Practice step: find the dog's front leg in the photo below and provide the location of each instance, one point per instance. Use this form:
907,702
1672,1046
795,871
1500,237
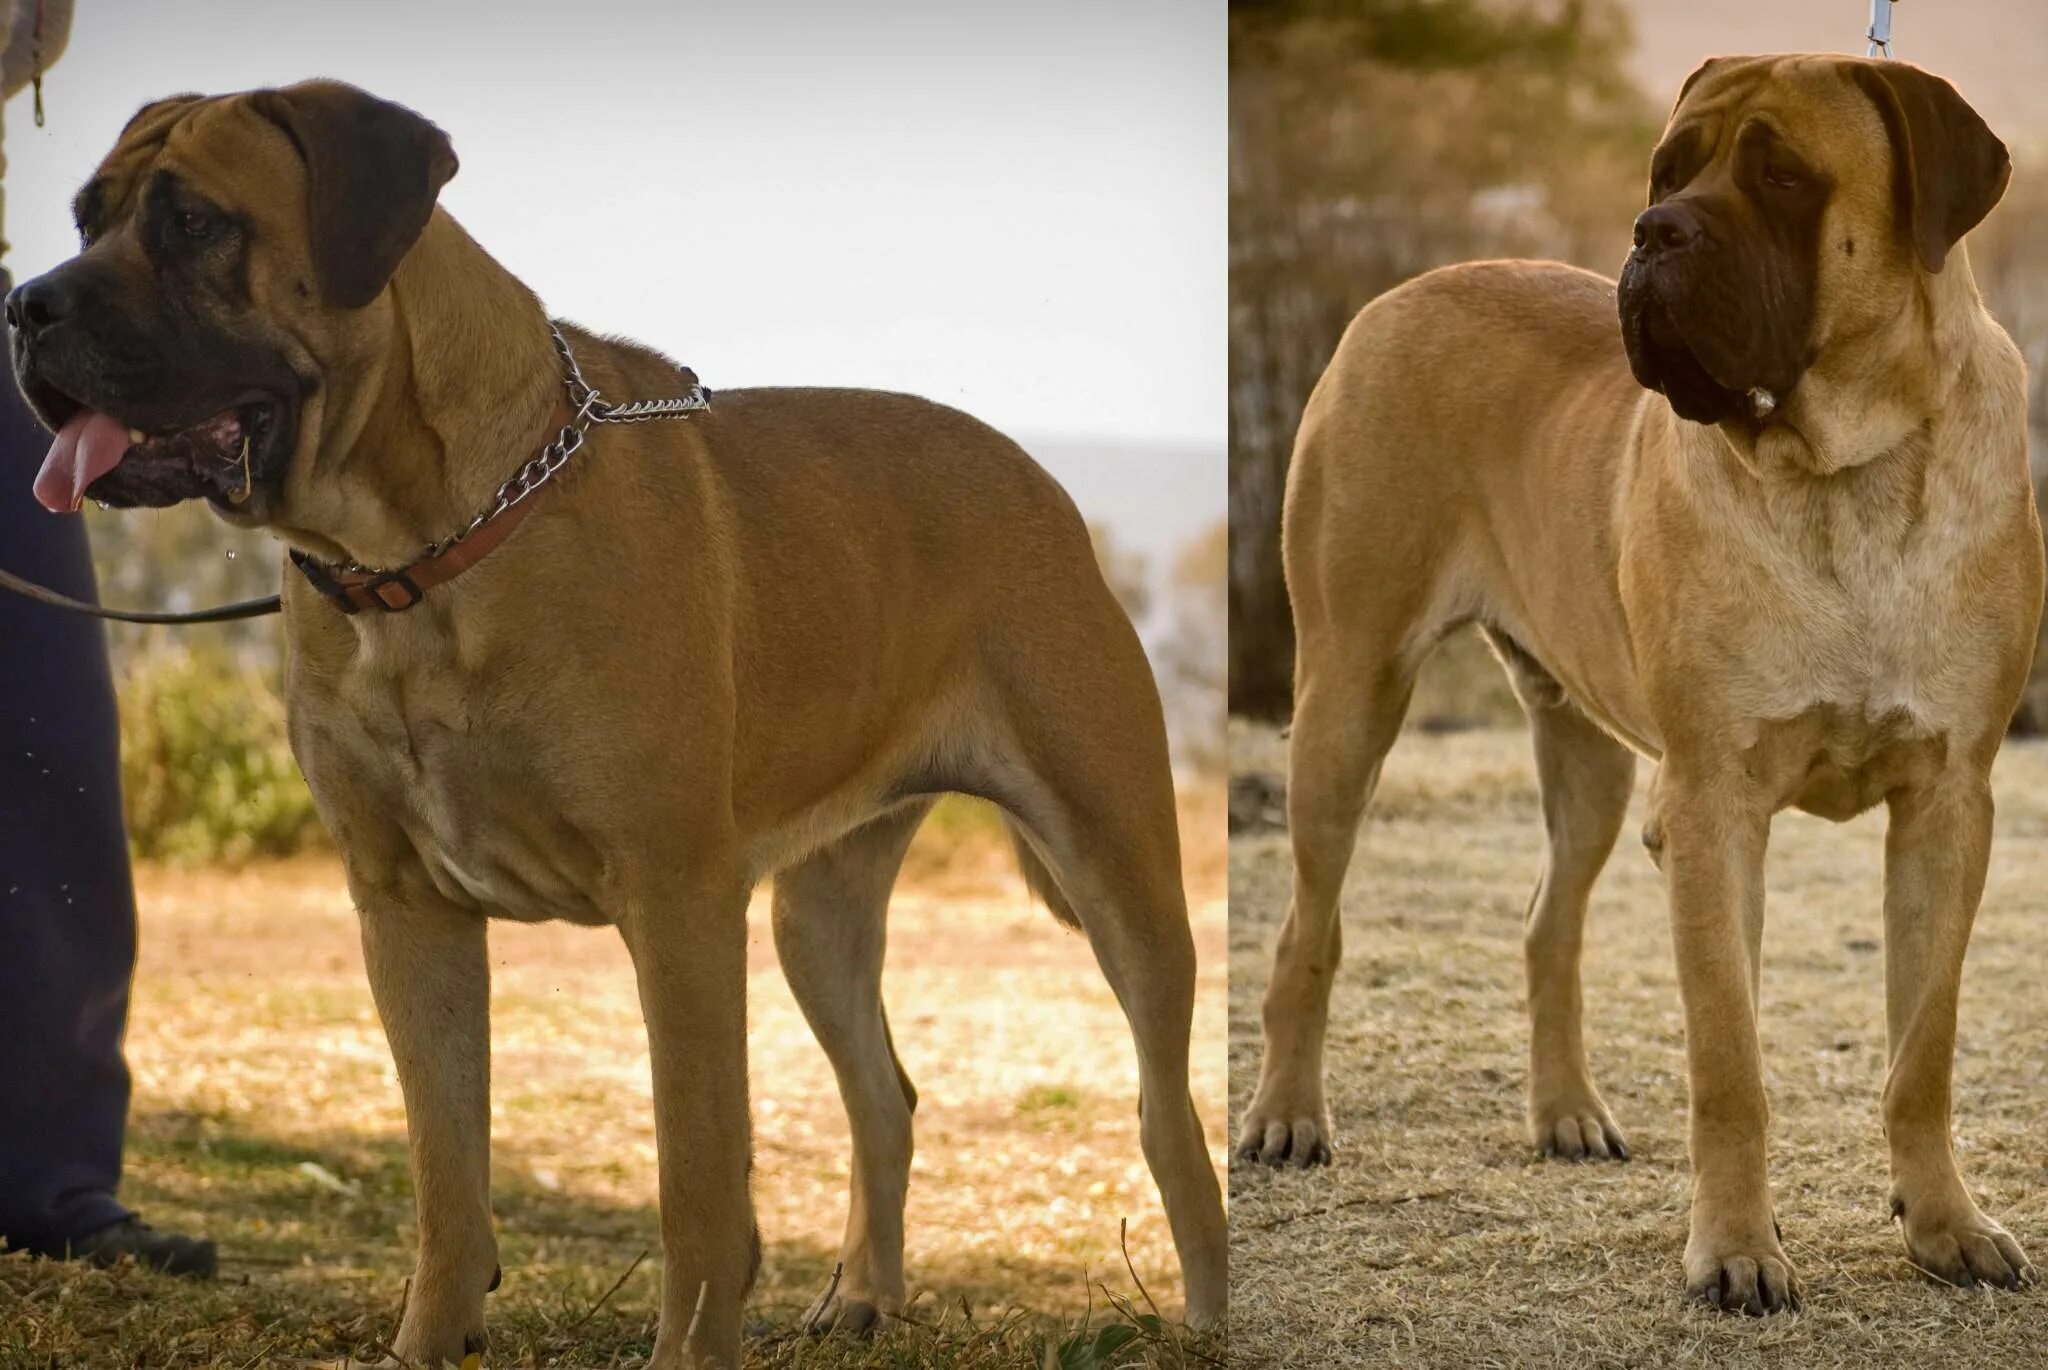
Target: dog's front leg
689,951
430,974
1715,830
1936,851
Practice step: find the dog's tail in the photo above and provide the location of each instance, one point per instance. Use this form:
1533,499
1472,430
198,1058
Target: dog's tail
1039,876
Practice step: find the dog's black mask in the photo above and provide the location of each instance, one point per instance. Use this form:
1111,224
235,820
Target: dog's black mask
1717,295
161,374
105,352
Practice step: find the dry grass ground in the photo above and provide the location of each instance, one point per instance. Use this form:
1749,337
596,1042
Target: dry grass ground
1439,1239
267,1114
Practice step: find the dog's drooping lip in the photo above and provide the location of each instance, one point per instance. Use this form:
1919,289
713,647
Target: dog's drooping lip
215,456
1663,358
1663,361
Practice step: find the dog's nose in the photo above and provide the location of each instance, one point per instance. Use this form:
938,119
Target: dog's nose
35,305
1665,228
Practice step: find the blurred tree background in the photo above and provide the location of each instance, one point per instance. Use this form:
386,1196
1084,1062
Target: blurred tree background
1371,140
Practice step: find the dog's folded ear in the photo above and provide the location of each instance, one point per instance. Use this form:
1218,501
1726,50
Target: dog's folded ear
1948,167
373,169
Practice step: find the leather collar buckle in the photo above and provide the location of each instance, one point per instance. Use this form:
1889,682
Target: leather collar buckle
409,591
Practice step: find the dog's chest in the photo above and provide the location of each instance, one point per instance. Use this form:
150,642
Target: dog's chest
1861,649
456,769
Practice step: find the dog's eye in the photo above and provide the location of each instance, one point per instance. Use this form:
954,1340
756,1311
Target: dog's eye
194,223
1784,178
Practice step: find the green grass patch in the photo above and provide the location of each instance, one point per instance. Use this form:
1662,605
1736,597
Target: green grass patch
1049,1099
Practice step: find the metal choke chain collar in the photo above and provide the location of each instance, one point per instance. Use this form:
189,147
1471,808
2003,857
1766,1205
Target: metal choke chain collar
588,406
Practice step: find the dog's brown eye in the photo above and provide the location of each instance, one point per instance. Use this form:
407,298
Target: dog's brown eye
194,224
1781,177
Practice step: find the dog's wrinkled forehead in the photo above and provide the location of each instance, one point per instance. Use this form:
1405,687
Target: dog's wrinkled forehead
215,146
1805,104
1887,125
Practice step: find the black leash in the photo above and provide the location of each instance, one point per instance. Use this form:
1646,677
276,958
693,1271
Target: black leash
226,613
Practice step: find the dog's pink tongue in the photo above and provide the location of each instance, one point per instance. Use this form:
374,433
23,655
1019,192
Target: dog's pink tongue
87,447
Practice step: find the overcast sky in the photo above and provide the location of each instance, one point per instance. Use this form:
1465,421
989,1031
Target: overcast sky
1016,209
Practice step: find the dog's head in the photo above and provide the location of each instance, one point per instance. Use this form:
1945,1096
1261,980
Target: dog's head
235,254
1791,200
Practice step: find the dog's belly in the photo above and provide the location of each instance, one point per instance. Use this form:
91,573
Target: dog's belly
492,829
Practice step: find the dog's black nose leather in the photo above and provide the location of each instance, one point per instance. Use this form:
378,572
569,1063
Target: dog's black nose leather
1665,228
35,305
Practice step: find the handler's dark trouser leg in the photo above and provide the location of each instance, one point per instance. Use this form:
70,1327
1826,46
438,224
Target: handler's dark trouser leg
67,911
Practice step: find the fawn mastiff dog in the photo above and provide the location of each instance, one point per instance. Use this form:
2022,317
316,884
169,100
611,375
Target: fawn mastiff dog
1761,513
753,642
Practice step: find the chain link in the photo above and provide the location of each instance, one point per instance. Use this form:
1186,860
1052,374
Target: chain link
589,406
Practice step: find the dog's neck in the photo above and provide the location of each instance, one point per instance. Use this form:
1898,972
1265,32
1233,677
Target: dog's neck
1869,394
460,398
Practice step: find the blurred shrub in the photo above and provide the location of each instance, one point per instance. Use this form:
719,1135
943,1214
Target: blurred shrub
1193,657
205,766
962,821
182,558
1461,686
1127,571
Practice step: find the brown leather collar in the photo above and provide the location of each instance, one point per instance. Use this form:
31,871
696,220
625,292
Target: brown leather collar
394,591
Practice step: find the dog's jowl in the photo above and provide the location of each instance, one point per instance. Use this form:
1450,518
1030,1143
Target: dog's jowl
620,685
1759,512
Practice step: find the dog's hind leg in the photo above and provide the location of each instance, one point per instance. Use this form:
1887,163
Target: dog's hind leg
1099,816
1351,693
830,916
1377,572
1586,778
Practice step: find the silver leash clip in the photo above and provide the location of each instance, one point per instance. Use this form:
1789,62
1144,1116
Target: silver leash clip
1880,32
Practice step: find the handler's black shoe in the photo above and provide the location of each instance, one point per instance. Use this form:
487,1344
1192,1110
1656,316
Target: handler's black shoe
135,1239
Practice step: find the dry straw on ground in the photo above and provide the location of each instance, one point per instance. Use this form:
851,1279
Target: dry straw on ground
1440,1240
267,1115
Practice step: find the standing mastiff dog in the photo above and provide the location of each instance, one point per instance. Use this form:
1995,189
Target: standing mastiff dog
1760,514
757,641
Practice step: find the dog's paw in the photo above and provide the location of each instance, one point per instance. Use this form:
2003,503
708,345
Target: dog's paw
1285,1128
845,1312
1751,1276
1954,1242
419,1345
1576,1127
